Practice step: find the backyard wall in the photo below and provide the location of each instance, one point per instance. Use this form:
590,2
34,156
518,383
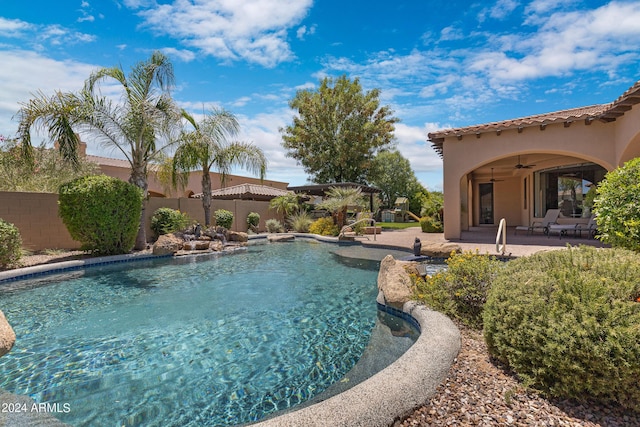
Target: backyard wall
36,216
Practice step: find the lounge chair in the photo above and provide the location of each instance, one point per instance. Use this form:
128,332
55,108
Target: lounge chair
590,227
562,229
551,217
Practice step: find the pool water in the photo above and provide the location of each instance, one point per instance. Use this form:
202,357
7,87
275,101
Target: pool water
202,341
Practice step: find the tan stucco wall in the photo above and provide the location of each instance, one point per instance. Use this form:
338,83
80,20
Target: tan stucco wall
606,144
194,185
36,216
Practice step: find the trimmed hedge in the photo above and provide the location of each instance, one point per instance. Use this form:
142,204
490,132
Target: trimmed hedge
11,247
568,323
224,218
167,220
102,213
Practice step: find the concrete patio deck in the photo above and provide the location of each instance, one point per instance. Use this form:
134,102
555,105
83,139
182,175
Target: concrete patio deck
482,239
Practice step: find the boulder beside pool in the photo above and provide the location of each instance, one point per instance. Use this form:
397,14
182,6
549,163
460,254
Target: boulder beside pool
7,336
394,283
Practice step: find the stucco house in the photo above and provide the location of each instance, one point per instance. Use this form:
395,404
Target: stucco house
518,169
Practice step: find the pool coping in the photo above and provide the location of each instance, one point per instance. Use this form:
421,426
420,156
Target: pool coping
387,396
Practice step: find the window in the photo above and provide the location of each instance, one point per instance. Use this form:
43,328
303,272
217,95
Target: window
568,188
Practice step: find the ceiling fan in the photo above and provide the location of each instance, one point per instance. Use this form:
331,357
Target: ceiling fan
493,179
522,166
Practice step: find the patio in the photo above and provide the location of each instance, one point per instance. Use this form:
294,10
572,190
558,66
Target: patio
482,239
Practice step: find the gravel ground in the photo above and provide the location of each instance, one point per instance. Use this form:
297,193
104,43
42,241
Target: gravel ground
478,392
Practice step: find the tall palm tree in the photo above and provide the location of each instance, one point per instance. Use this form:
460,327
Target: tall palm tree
207,146
139,126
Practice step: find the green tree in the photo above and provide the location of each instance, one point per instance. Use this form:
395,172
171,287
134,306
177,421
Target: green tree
43,173
140,126
286,204
392,173
207,146
339,199
338,130
617,206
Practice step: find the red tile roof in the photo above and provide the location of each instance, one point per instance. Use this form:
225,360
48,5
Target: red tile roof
246,191
603,112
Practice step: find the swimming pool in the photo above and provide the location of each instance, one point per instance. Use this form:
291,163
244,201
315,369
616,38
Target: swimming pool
192,341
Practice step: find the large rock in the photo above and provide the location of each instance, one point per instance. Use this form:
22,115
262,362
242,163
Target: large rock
167,244
237,236
394,282
439,249
7,336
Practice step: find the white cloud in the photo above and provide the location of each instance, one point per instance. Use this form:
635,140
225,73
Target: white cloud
29,73
567,42
303,31
13,27
253,30
500,10
413,145
182,54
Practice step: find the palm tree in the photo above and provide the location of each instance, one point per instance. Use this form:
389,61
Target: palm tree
139,126
207,146
286,204
339,199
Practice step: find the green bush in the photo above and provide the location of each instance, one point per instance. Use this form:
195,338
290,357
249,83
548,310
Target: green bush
253,220
11,247
101,212
274,226
430,225
167,220
567,322
324,227
300,222
224,218
617,206
460,291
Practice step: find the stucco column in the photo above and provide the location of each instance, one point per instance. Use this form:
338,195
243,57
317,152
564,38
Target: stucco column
452,203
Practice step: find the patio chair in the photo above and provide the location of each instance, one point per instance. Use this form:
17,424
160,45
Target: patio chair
590,227
562,229
551,217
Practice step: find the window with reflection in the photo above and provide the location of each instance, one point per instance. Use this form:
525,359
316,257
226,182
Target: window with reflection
568,188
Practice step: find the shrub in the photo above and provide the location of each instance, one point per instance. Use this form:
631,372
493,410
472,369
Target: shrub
274,226
101,212
253,220
300,222
461,290
167,220
567,323
11,248
617,206
430,225
324,227
224,218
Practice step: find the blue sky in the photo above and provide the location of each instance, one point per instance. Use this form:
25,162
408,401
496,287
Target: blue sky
437,64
